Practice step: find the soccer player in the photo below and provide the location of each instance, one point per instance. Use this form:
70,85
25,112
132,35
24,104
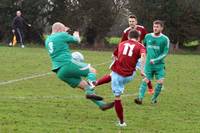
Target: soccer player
123,70
68,69
157,46
132,20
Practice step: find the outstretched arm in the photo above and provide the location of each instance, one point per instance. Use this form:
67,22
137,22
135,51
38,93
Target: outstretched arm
26,23
74,39
77,36
143,60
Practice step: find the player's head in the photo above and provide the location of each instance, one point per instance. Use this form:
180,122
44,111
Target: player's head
59,27
18,13
158,26
132,21
133,34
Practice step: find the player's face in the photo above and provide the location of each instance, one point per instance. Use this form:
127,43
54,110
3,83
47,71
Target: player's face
157,28
132,22
18,13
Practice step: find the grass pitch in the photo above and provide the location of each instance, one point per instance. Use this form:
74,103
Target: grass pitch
34,103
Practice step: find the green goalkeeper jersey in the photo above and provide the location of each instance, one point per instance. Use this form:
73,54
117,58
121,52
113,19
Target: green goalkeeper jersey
58,48
157,49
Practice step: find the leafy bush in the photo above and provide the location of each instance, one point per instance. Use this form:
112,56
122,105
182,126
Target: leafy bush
113,40
192,43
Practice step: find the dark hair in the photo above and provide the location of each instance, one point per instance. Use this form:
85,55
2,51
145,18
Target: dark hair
132,16
133,34
160,22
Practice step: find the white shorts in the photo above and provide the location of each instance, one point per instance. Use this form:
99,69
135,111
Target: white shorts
138,65
118,82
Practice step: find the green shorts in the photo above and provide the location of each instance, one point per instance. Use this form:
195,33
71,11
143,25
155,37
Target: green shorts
159,73
72,72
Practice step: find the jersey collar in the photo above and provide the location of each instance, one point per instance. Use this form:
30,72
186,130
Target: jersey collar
156,36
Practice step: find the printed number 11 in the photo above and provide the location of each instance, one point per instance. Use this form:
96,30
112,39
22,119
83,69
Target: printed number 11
128,49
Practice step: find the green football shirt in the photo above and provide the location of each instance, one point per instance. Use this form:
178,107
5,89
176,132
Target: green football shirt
57,45
157,48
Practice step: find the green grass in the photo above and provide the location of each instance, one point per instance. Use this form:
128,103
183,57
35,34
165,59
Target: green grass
47,105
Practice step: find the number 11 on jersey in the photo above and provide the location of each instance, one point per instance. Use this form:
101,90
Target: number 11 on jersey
128,49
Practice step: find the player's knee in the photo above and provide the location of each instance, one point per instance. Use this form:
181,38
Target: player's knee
117,92
146,80
93,70
60,76
160,81
83,84
117,97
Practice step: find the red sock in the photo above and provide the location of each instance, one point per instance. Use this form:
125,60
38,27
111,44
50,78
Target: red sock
150,85
105,79
119,110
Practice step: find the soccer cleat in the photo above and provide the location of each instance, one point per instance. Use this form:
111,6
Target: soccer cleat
22,46
94,97
153,101
121,124
138,101
107,106
10,44
150,91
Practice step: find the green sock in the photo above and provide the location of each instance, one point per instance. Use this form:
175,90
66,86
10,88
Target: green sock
157,91
89,90
91,77
142,89
99,103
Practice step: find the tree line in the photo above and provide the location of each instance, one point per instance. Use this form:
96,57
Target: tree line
96,18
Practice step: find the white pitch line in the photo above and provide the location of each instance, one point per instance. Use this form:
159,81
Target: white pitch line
103,63
55,97
38,75
25,78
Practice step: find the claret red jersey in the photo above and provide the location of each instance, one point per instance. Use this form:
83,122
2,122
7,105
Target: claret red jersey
127,53
142,31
